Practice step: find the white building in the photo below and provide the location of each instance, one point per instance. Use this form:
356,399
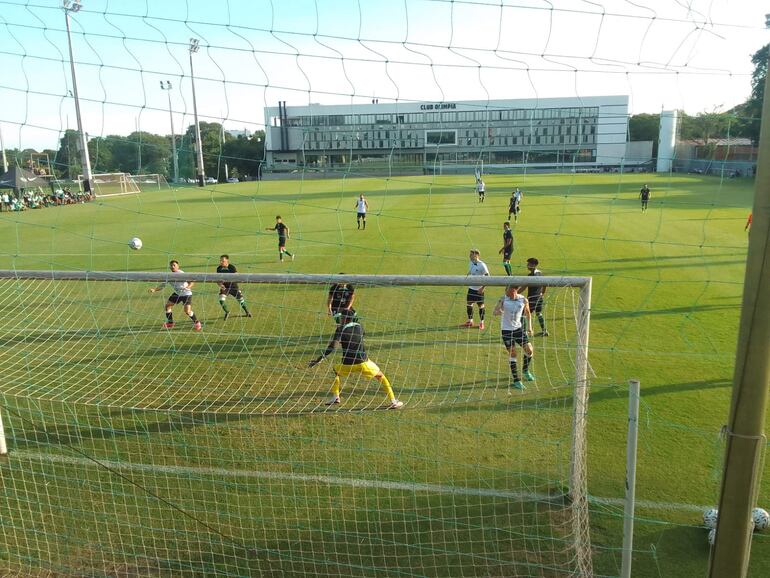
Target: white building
547,132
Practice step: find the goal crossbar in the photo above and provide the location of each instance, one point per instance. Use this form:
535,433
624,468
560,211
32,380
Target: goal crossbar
297,279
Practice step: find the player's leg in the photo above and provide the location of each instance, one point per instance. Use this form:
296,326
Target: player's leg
169,314
242,301
469,301
363,218
528,353
358,220
339,371
482,310
223,301
507,263
510,346
536,306
191,314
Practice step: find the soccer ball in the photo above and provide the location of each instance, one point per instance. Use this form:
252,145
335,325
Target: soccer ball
710,518
761,518
712,536
135,243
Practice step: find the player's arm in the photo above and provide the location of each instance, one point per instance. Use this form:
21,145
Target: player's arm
335,340
498,306
287,232
270,228
351,298
528,316
158,288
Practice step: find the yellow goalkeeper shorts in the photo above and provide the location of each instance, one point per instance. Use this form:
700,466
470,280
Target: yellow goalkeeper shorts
368,369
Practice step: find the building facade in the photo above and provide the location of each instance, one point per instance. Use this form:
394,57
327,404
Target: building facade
587,131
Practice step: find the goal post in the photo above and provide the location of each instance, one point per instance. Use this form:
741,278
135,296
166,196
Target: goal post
150,182
111,184
222,436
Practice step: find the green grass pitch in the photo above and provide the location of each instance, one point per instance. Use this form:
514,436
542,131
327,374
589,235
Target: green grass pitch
226,424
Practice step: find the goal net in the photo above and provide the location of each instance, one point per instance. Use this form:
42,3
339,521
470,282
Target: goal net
111,184
131,441
150,182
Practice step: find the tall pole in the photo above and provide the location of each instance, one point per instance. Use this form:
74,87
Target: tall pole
167,87
2,146
746,440
75,7
194,46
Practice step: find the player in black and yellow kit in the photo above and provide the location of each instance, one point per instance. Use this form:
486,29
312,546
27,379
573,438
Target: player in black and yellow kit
350,335
226,288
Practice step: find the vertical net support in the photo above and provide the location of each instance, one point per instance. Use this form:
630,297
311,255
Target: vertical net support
578,490
3,444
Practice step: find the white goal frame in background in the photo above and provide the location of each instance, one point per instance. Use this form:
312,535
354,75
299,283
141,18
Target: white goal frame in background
576,494
111,184
150,181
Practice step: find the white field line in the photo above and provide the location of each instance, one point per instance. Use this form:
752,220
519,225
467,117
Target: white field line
202,472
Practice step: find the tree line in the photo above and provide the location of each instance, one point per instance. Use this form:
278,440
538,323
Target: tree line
143,152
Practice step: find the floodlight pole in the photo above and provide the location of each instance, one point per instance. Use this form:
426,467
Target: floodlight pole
68,7
194,46
746,441
2,147
167,87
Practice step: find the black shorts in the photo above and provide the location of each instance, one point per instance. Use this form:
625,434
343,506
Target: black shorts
361,215
233,291
507,255
474,297
183,299
535,303
514,209
517,336
281,241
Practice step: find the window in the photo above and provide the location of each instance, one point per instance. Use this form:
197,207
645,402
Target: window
440,137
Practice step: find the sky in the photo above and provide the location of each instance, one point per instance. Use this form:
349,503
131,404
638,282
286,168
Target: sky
664,54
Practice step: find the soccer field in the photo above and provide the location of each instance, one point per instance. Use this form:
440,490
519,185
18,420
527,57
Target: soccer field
138,451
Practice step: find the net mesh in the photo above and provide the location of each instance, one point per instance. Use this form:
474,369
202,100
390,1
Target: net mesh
140,451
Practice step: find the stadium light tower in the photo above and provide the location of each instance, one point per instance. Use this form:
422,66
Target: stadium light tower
194,47
68,7
167,87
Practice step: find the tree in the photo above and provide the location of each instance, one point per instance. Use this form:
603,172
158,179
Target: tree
749,114
645,127
68,162
244,154
100,151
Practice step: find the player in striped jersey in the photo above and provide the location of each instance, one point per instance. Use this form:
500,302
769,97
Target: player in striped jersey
476,292
182,294
513,307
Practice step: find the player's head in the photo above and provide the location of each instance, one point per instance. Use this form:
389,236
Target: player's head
512,291
173,265
532,263
224,260
507,225
475,255
278,218
361,197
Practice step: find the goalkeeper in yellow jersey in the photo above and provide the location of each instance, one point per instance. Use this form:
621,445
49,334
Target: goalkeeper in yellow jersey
350,335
